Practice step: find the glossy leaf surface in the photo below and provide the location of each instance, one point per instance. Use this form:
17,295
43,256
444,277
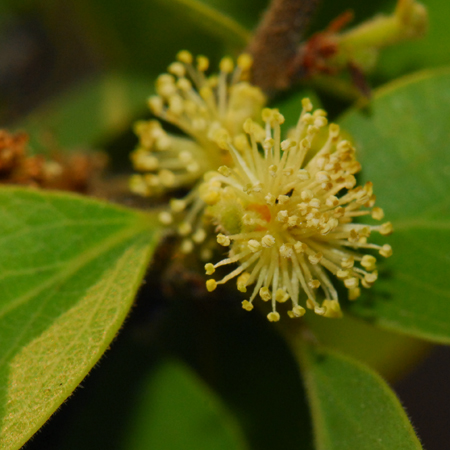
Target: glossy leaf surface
404,148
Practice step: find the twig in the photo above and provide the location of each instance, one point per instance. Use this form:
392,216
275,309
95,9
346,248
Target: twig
276,42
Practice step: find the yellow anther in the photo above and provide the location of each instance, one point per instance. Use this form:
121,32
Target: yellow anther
225,171
273,316
226,65
286,251
377,213
245,61
322,177
371,277
334,130
167,178
242,282
202,63
185,85
307,105
265,294
206,93
297,311
222,138
332,309
303,175
177,205
320,311
138,185
278,117
248,126
210,196
281,296
369,262
332,201
268,241
185,57
165,217
223,240
351,282
300,247
267,114
209,268
156,104
247,305
177,68
184,229
199,236
386,251
282,216
310,304
186,246
254,245
354,293
316,258
386,229
320,122
347,263
342,274
211,285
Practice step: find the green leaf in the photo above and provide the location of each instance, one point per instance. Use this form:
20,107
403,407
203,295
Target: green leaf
352,407
89,113
212,20
403,144
145,35
176,410
69,270
390,354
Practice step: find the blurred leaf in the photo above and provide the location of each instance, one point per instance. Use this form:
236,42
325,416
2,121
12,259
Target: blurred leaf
390,354
246,362
352,407
89,113
145,35
211,20
404,148
70,269
432,50
177,411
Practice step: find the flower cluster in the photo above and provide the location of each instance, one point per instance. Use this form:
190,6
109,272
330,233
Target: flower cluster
285,209
198,105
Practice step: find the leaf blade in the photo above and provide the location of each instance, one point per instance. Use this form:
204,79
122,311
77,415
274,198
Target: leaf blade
404,149
177,410
353,407
69,312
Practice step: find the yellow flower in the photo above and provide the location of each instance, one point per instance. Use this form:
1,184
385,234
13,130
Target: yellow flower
286,209
198,105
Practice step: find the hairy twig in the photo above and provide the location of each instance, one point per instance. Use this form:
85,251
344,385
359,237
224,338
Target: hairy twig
275,44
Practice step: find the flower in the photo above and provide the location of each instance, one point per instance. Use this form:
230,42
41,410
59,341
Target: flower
198,106
286,208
